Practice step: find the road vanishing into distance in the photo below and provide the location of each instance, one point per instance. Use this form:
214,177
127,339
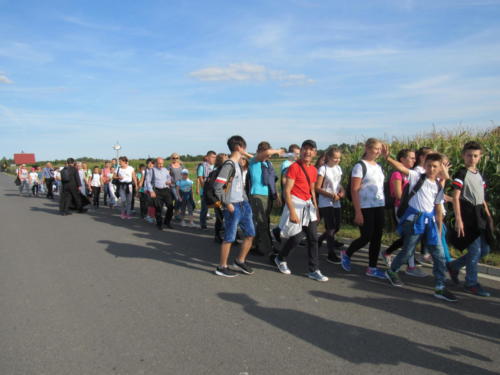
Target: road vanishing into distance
94,294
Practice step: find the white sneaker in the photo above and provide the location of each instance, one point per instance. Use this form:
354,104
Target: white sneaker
192,224
317,275
183,223
415,272
282,266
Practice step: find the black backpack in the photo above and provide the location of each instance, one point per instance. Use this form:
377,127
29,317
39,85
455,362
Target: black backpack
65,175
408,195
349,181
209,196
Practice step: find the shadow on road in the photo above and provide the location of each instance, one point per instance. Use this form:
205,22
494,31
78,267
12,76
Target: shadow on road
433,315
359,345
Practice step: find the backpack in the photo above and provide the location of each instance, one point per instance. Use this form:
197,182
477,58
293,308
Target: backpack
209,196
408,195
268,177
349,181
65,175
388,198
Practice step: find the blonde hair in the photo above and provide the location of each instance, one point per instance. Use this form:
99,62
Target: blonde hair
370,142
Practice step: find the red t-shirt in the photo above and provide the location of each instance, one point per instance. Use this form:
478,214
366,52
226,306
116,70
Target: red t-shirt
301,189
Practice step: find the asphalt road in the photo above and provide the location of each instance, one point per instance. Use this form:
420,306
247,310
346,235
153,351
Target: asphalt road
93,294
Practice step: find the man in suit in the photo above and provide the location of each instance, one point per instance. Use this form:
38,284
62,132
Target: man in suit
70,188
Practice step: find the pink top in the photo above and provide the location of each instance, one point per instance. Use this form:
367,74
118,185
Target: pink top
404,181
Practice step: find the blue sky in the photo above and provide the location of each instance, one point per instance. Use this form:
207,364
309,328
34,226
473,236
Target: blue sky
76,76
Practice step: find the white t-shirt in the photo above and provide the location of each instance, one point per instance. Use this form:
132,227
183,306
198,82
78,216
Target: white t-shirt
427,196
331,183
34,177
126,173
371,193
96,180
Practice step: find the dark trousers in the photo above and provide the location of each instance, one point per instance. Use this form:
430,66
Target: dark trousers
35,189
203,213
96,191
371,231
69,194
49,182
143,200
164,197
312,246
106,193
331,217
261,211
134,192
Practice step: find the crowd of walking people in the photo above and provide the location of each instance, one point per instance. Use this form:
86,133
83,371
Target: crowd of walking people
242,188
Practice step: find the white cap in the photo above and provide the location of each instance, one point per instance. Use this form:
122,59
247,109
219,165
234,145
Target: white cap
184,171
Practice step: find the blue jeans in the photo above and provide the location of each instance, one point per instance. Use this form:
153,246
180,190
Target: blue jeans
410,241
476,250
241,216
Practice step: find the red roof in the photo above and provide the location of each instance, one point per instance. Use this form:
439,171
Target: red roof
24,159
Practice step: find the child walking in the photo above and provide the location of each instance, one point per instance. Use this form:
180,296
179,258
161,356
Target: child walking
184,188
472,219
95,181
330,192
367,191
422,218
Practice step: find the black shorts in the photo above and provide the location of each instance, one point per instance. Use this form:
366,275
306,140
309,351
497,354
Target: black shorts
331,217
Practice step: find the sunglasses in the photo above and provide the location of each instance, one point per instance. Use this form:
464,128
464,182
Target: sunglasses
175,158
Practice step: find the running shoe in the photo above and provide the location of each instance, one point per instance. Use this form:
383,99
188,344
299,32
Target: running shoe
477,290
243,267
317,275
375,272
333,258
415,272
445,294
393,278
282,266
183,223
345,261
122,216
225,271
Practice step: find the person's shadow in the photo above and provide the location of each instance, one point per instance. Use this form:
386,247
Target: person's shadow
356,344
423,312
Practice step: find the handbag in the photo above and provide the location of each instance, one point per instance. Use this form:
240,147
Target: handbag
17,181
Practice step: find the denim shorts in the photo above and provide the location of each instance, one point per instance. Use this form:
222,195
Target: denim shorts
241,216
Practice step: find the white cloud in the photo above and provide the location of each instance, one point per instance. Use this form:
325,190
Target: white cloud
23,51
249,72
427,83
347,54
4,79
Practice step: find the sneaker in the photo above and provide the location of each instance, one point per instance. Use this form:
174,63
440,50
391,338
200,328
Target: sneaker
192,225
282,266
375,272
317,275
415,272
122,216
393,277
203,227
183,223
333,258
445,294
243,267
225,271
345,261
453,274
477,290
386,257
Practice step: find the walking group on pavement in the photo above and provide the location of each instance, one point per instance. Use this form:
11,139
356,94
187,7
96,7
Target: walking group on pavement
243,188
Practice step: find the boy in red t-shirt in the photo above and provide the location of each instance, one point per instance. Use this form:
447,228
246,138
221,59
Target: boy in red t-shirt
301,212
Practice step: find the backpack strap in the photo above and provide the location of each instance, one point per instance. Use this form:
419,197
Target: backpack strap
418,186
307,176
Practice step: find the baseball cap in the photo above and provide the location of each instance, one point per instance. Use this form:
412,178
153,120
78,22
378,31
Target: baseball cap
310,143
184,171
